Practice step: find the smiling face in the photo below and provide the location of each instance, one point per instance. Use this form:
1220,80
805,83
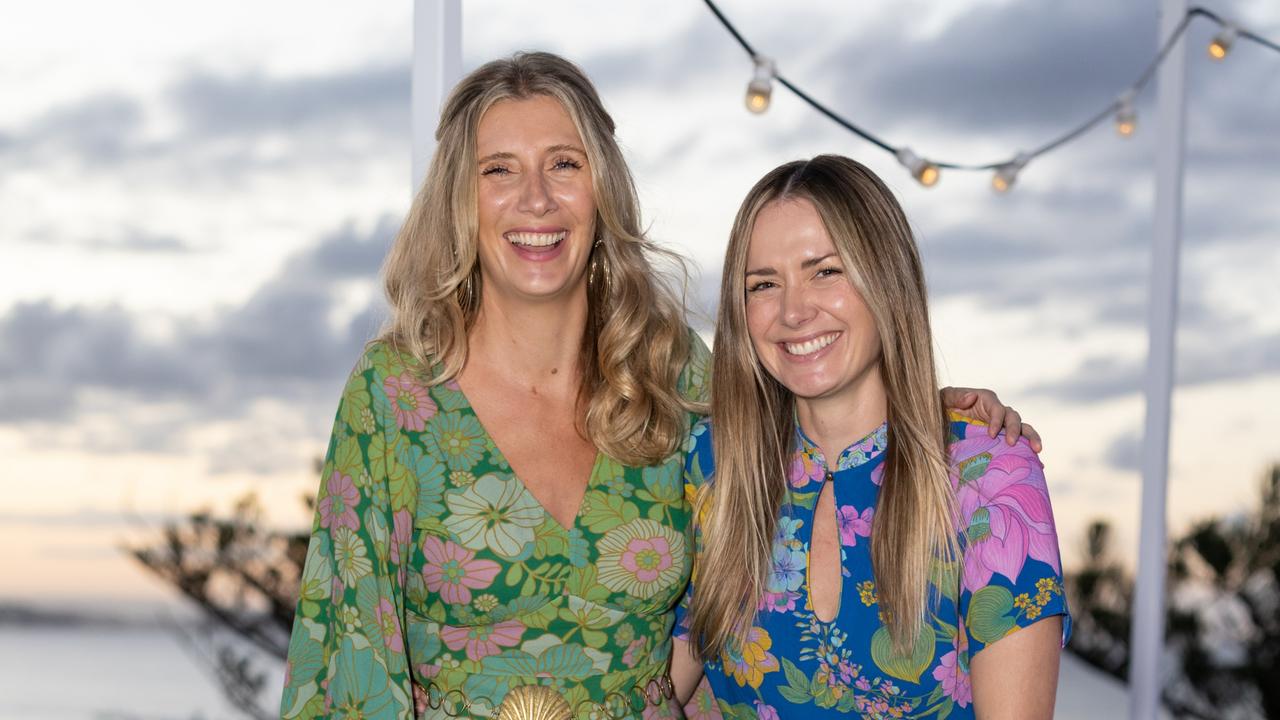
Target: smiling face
809,326
535,203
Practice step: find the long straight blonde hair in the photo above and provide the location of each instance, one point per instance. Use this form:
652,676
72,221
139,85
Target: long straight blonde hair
635,342
753,415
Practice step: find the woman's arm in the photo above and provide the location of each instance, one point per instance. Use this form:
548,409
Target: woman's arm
1017,676
686,670
348,653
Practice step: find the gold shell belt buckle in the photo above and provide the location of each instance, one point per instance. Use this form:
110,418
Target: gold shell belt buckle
533,702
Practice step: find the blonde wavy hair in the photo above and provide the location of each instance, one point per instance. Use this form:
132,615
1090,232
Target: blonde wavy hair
635,342
753,415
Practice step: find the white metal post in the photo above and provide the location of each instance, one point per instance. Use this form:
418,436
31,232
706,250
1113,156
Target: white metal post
1146,678
437,66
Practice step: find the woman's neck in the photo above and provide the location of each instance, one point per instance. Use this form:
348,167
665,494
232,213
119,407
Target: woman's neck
837,422
534,344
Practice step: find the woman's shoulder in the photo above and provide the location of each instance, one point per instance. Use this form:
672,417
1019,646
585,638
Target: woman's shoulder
971,450
1011,571
384,358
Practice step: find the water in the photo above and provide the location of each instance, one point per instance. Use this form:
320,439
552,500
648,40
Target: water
133,673
97,673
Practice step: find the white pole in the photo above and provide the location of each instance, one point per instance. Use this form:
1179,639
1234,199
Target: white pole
437,66
1146,678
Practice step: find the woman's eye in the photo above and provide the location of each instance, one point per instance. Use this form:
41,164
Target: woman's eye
829,272
495,170
567,164
762,285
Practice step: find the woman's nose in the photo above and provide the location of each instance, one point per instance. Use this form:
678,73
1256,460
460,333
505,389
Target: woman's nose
535,194
797,304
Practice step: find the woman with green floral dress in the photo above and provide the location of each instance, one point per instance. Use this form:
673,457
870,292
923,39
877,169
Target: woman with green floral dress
501,518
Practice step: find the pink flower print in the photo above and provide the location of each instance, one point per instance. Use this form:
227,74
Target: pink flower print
805,469
481,641
453,571
954,679
765,712
702,706
629,656
338,507
877,475
401,534
784,601
1004,509
385,615
646,558
413,405
863,684
852,524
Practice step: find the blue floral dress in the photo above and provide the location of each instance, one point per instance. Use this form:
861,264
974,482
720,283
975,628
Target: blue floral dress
792,664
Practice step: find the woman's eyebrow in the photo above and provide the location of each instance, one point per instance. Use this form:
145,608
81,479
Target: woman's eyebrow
496,156
566,148
814,261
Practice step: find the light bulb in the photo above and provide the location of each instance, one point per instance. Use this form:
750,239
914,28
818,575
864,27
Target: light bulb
925,172
1007,173
1126,118
1222,42
761,85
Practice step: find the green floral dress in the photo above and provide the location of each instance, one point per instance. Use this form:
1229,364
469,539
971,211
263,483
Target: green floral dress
430,562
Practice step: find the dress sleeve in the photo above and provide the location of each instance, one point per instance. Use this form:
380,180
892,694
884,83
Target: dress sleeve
347,654
1012,569
698,466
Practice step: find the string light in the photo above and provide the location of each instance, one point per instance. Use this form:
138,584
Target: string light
1005,173
925,172
1126,117
761,85
1222,42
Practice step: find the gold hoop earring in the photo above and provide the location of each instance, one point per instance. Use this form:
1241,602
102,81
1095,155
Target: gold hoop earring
601,268
468,288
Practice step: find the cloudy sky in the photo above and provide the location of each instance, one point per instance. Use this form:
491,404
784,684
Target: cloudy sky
194,202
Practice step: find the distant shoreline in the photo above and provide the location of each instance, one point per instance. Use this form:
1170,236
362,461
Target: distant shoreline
25,614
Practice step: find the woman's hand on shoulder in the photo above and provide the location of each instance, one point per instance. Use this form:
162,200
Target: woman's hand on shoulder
984,405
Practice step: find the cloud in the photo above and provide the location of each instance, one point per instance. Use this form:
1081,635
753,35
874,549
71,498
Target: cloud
1000,67
56,363
130,239
1125,452
1201,359
366,98
228,125
98,129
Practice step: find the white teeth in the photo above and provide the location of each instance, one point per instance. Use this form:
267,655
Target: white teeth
811,346
536,239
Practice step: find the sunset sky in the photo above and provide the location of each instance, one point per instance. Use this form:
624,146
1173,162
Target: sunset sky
195,199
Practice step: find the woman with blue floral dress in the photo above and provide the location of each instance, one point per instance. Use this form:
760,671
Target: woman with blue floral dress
860,553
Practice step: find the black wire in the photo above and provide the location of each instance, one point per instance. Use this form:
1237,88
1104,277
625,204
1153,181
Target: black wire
732,31
831,114
1259,39
1061,140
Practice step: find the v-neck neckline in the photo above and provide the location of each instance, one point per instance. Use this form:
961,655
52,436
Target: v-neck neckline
502,457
